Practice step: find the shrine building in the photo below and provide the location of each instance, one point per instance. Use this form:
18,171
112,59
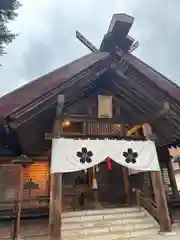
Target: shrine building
95,134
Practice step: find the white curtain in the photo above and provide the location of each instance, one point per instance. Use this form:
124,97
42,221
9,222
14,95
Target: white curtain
70,155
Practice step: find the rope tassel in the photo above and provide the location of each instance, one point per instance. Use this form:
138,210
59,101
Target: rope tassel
108,161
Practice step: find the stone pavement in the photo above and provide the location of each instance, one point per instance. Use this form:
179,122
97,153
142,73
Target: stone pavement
154,237
174,236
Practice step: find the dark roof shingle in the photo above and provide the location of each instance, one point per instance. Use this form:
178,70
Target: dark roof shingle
34,89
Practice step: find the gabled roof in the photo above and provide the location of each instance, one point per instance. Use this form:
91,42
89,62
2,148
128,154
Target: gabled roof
140,89
37,88
156,77
47,87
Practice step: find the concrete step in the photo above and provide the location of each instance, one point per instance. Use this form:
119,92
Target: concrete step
101,211
104,224
109,214
103,229
110,224
118,235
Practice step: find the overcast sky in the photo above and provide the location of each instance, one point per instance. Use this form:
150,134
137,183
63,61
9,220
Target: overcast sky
47,35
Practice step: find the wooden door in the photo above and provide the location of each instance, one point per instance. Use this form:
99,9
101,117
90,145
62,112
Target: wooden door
111,185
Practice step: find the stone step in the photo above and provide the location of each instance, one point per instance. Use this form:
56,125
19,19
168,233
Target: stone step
40,237
103,229
70,218
118,235
122,221
110,224
104,224
101,211
100,217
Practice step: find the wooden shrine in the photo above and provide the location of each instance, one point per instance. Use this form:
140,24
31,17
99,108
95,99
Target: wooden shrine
108,93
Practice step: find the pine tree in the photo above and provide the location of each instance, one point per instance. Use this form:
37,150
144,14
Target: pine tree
7,13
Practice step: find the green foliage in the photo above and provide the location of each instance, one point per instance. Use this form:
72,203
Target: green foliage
7,13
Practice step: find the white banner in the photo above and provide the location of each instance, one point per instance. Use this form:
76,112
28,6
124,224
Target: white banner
69,155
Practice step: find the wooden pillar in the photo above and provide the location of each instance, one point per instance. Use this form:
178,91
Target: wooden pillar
16,234
95,189
125,172
126,184
172,178
55,206
56,184
160,197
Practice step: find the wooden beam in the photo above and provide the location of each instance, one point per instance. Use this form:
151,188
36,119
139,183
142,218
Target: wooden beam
19,203
158,187
88,118
164,111
126,184
86,42
56,184
49,136
125,172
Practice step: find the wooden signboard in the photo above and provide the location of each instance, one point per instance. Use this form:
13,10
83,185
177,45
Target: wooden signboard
104,106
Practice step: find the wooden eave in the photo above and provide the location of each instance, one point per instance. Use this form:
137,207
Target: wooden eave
154,76
35,90
73,89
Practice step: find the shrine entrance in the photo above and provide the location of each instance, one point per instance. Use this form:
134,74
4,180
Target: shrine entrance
91,179
80,193
110,185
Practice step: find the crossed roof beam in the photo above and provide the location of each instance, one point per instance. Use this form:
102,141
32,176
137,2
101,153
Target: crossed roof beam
116,38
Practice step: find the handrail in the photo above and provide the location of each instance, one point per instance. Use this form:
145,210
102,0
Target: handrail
14,209
38,198
148,204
